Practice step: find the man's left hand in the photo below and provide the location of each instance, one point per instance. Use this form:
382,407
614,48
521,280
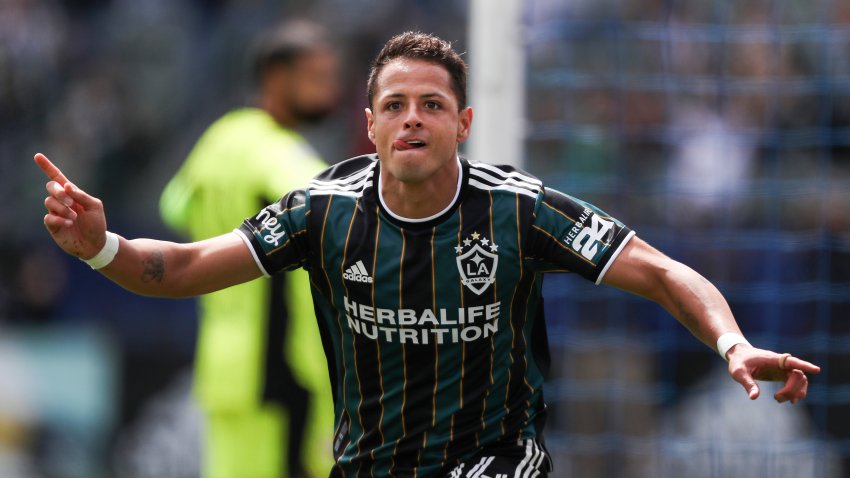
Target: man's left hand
748,364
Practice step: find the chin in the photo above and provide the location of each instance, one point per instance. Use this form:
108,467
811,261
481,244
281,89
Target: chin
412,166
403,168
410,174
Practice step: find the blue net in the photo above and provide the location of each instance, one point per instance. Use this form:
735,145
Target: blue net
720,132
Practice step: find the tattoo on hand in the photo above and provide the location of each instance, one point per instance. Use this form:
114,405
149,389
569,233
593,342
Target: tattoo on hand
154,267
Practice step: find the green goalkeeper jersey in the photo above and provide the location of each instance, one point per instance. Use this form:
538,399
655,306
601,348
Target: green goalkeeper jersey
242,162
433,328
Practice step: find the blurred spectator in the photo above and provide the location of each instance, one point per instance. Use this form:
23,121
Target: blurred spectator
18,412
33,299
710,170
165,440
712,433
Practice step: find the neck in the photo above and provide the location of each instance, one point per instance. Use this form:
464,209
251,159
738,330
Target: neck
420,200
281,114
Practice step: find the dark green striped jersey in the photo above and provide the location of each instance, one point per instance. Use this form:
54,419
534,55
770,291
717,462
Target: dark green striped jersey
433,327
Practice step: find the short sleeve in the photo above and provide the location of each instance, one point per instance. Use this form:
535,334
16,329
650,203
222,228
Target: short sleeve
277,235
570,235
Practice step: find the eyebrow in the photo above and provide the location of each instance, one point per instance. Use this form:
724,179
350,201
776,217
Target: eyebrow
424,95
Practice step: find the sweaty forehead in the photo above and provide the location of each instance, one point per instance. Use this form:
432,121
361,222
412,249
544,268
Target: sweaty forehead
411,77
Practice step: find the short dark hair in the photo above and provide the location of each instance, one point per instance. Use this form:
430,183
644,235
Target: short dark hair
421,46
285,43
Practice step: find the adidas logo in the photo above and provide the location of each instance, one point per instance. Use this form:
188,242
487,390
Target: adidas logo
357,273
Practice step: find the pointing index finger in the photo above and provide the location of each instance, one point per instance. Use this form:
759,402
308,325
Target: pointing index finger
799,364
50,169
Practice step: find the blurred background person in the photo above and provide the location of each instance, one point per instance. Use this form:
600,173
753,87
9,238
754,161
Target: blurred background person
260,373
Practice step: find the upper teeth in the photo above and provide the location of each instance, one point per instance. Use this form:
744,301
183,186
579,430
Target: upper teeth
415,141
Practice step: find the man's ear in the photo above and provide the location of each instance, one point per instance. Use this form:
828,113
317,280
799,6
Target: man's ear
464,124
370,124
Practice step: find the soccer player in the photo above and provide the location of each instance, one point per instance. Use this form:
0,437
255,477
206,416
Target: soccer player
426,271
260,377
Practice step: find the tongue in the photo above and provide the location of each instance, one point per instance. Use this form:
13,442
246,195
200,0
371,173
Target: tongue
402,145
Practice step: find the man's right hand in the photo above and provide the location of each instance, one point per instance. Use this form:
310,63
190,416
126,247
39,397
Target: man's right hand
77,223
74,219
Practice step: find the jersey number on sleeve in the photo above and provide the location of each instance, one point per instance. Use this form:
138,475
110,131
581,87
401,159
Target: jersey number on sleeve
588,239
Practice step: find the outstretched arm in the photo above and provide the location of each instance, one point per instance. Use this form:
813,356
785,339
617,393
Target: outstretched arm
700,307
77,223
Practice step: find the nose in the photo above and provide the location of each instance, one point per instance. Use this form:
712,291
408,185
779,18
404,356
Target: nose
412,121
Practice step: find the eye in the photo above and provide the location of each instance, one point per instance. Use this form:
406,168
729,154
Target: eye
393,106
432,105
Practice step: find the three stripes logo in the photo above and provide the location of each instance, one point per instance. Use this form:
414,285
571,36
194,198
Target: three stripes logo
357,273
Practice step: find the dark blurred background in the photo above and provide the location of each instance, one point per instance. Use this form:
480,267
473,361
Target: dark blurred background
720,131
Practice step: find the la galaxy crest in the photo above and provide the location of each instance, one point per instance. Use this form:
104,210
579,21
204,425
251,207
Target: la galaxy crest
477,261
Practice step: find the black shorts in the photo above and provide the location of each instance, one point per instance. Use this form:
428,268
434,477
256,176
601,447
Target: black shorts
521,459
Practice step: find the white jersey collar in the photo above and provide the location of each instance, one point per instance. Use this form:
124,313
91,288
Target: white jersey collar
423,219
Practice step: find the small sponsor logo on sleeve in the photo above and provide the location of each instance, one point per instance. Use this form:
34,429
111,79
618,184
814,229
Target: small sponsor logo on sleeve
271,230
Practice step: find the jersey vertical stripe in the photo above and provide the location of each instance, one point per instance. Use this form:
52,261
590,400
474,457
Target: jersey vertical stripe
436,349
417,289
492,344
378,346
359,386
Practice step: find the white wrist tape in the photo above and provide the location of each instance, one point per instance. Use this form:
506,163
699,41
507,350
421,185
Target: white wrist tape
727,341
105,256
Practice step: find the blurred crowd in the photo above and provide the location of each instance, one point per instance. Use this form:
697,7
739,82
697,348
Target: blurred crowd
721,133
724,123
699,99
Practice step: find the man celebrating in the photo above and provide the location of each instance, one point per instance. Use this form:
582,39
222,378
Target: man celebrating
426,271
